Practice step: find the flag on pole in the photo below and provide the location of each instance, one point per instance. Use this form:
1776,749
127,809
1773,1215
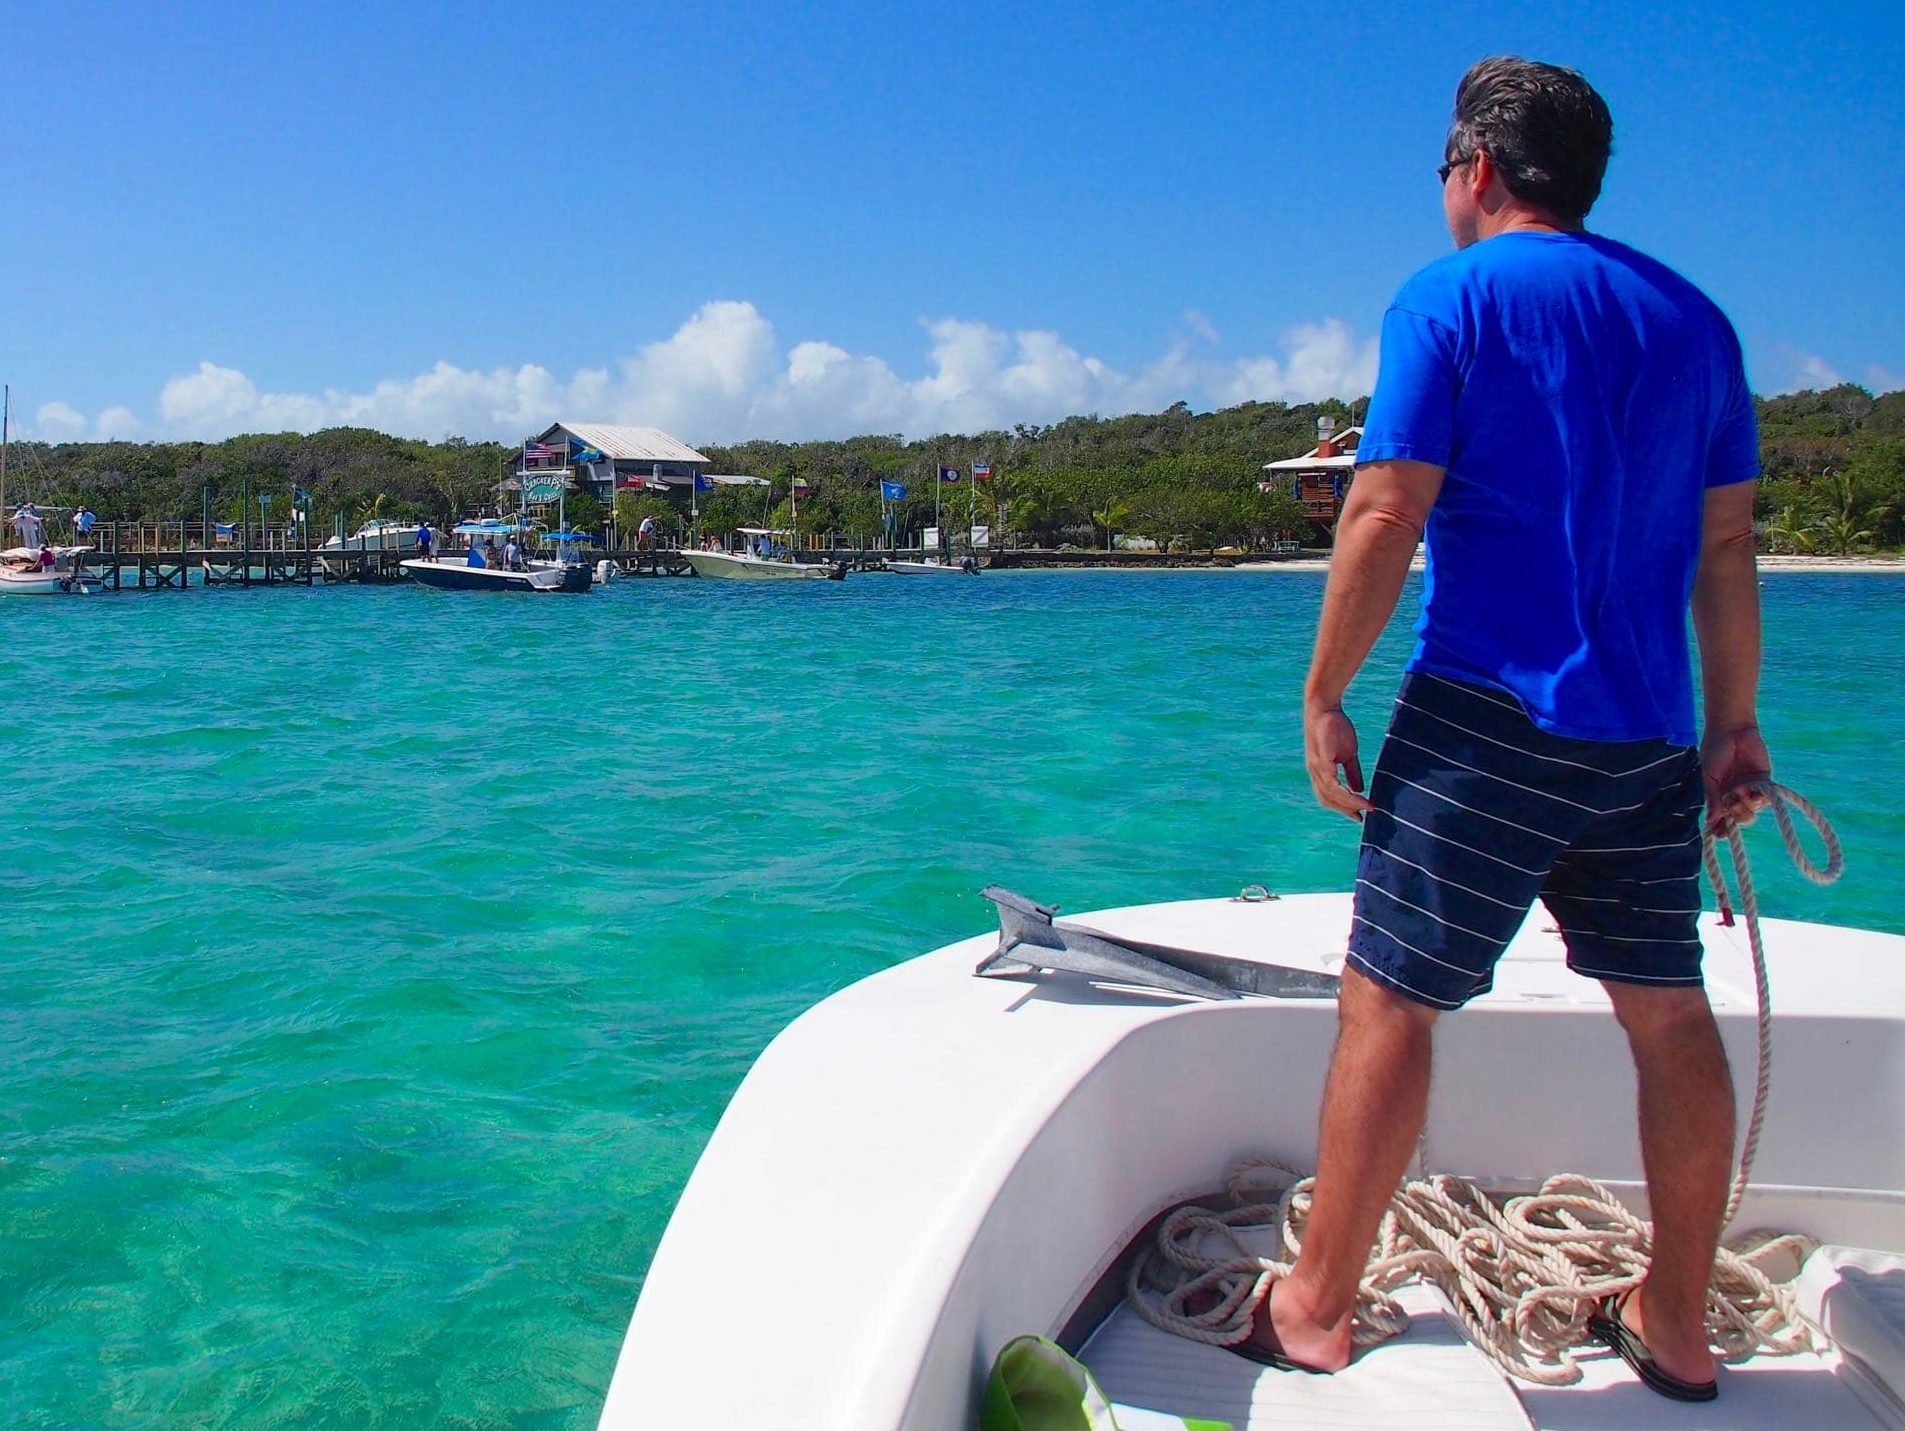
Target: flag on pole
892,492
949,474
703,483
982,471
800,486
537,452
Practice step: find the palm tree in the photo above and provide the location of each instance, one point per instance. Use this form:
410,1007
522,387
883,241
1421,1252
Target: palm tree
1114,513
1037,509
1841,527
1842,533
1788,529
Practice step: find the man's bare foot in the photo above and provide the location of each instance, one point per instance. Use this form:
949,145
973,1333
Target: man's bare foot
1682,1352
1286,1326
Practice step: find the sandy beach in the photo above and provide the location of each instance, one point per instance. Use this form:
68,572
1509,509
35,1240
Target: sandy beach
1865,565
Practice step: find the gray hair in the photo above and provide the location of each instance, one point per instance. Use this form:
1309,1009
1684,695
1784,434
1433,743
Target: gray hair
1544,127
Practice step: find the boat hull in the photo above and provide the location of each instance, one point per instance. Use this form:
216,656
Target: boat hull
929,568
14,583
1019,1132
457,576
735,567
68,574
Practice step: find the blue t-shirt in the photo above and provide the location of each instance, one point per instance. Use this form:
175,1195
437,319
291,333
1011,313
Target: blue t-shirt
1582,397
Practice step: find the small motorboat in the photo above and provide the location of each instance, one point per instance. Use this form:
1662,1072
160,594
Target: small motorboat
966,566
764,559
380,534
568,571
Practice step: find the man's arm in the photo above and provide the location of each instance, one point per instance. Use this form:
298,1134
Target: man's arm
1726,623
1375,538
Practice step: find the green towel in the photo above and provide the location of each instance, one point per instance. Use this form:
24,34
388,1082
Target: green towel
1036,1386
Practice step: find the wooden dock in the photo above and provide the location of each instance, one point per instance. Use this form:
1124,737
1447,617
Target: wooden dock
188,555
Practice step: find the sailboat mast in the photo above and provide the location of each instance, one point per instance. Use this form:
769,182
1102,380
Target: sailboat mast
6,413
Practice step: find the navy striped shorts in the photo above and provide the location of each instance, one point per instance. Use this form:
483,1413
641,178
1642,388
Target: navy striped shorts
1479,810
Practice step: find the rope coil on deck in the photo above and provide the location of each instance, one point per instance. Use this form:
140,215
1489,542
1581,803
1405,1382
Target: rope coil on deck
1522,1274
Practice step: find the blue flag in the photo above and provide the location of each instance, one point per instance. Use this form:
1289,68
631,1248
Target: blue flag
892,492
949,474
703,484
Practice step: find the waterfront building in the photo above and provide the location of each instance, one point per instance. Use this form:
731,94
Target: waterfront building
1320,478
602,459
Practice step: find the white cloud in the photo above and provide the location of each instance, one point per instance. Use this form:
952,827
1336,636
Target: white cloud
119,424
1883,380
1325,360
723,376
1816,372
57,422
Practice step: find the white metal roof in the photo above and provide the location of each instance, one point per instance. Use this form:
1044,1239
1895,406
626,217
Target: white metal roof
1310,462
728,479
631,444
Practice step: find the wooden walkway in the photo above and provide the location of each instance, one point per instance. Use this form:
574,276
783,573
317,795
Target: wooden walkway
185,555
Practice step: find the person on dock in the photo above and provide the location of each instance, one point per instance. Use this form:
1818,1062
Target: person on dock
83,521
1570,423
645,534
426,540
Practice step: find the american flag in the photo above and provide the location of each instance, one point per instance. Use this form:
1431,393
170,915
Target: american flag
982,471
537,452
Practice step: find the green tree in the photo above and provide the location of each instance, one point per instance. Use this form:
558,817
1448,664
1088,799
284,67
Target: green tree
1113,514
632,506
1789,530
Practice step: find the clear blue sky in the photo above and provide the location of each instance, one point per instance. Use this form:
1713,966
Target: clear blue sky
970,214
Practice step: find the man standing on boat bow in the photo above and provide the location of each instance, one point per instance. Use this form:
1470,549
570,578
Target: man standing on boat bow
1569,422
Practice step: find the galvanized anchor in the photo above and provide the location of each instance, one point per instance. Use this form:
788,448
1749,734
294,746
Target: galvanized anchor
1030,939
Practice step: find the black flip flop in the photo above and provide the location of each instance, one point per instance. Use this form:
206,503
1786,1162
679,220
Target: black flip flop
1607,1325
1269,1351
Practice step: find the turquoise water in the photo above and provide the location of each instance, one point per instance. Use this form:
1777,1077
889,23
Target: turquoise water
380,960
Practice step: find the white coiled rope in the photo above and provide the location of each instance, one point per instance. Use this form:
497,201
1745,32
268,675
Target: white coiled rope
1524,1274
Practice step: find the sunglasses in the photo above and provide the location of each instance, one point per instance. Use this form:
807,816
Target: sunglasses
1449,166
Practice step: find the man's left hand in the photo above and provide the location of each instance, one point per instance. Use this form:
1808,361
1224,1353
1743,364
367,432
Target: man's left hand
1329,750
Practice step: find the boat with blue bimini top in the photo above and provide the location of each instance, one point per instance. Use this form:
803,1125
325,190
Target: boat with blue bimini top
1082,1172
483,565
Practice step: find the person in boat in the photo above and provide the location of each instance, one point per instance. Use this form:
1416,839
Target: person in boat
426,539
1570,423
28,520
47,560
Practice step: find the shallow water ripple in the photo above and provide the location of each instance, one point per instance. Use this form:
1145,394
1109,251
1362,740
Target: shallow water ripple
380,961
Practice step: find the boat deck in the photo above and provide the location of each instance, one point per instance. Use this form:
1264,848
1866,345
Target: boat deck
1431,1379
959,1161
